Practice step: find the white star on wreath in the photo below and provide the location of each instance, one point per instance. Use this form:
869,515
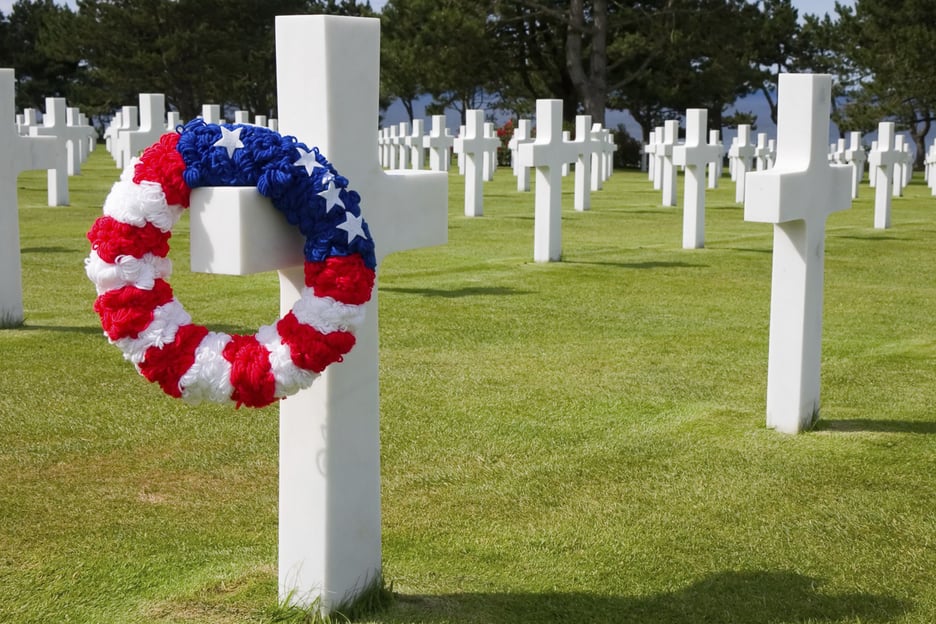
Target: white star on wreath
230,140
354,226
307,160
332,197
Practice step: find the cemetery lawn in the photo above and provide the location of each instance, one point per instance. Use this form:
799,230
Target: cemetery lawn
580,441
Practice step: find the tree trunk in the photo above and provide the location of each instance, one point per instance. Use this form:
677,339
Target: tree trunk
591,85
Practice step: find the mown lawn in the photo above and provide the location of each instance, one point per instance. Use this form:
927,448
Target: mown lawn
580,441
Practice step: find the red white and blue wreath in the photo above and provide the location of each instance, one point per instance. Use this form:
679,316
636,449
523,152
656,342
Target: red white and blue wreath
130,268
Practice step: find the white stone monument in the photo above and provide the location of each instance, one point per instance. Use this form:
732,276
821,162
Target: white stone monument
715,165
415,144
439,143
54,124
211,113
670,137
694,155
881,161
856,157
658,159
152,126
649,151
797,196
741,153
17,153
547,154
329,500
521,135
585,146
471,148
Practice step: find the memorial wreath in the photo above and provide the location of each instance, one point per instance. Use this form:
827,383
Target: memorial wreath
130,268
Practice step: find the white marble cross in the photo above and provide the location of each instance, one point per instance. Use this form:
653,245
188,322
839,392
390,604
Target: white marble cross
211,113
415,144
585,146
329,500
439,143
152,125
657,152
489,160
715,165
17,153
881,163
521,135
797,196
399,142
649,150
856,157
55,124
242,117
741,153
694,155
547,154
670,136
761,153
471,148
902,166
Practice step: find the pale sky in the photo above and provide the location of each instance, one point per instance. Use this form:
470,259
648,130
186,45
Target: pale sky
805,6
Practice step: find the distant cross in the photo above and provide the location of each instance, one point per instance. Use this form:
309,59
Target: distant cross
471,147
403,151
715,165
152,125
761,152
694,155
211,113
670,136
489,161
547,154
439,142
585,146
329,500
415,144
797,196
521,135
17,153
741,153
129,122
55,124
901,166
881,163
856,157
649,158
658,159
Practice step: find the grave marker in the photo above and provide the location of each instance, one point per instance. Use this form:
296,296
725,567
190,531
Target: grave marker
797,196
741,153
715,165
694,155
670,135
415,144
856,157
329,500
585,146
546,154
211,113
881,163
152,125
471,148
439,142
54,124
17,153
521,135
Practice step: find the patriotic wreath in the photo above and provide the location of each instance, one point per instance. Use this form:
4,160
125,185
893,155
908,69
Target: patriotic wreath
129,265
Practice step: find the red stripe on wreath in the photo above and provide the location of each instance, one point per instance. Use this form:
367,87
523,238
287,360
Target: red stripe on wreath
127,311
309,348
111,238
161,162
166,365
343,278
251,373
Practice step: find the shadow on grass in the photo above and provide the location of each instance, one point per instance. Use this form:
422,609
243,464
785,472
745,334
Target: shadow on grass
748,249
468,291
875,426
642,265
725,597
67,329
50,249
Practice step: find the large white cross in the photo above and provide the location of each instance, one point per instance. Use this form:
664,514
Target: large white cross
694,155
797,195
327,79
547,154
129,121
670,135
17,153
881,163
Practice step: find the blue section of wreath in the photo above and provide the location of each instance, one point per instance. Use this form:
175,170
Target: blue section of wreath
267,161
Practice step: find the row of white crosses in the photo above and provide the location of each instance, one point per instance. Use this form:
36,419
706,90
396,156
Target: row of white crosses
17,153
661,168
401,148
329,498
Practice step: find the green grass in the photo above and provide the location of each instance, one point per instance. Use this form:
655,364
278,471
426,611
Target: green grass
574,442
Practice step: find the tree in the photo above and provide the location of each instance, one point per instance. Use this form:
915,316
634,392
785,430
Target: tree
38,73
891,46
